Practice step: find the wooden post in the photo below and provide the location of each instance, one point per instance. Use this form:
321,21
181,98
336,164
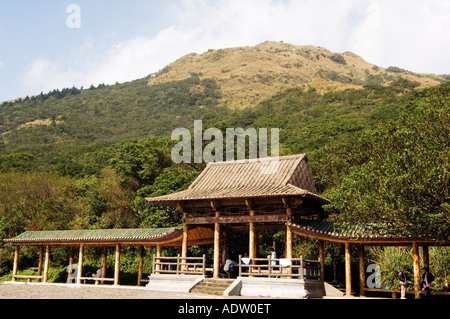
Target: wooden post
104,260
184,245
288,229
46,262
158,254
141,264
224,245
16,262
80,263
322,260
426,260
348,270
216,269
70,267
216,263
416,261
41,260
117,265
252,249
362,271
288,240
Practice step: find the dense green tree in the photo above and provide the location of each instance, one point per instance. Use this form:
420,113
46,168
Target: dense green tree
403,186
142,159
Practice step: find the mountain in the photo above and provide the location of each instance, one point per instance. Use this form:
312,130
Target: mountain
248,75
208,86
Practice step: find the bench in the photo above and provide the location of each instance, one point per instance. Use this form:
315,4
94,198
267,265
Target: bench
95,279
28,277
392,291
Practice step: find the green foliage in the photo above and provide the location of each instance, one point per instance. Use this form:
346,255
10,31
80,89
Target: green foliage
402,187
338,58
142,159
171,180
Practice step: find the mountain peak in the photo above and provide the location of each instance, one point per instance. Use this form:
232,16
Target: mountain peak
247,75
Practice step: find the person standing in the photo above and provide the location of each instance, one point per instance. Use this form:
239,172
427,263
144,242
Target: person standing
403,282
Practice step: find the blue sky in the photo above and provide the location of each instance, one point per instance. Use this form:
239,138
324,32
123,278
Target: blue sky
126,40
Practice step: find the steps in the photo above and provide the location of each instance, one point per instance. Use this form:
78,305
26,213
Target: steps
212,286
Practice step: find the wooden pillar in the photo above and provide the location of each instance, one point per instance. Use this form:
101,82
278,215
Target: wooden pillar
70,267
141,264
416,261
362,271
322,260
252,248
184,245
216,263
80,263
348,270
425,256
224,246
216,247
46,262
288,247
104,260
117,265
288,236
16,262
41,260
158,254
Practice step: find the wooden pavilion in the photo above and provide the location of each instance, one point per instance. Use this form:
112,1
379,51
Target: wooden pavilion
276,193
254,195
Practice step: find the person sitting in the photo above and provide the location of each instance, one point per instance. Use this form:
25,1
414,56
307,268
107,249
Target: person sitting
427,279
229,268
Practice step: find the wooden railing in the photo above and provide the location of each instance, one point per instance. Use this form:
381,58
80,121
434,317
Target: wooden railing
279,268
179,265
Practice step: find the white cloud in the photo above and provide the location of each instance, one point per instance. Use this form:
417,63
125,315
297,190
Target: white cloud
410,34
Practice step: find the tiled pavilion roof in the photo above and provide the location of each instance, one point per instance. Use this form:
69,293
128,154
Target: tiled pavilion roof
264,177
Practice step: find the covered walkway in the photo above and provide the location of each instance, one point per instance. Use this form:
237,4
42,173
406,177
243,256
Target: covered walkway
142,237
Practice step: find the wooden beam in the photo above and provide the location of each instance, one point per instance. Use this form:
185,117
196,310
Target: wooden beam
80,264
362,271
416,262
348,270
242,219
258,227
16,262
117,265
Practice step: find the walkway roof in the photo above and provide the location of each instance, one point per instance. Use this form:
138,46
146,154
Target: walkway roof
168,236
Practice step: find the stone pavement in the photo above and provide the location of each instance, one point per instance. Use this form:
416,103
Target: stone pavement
9,290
